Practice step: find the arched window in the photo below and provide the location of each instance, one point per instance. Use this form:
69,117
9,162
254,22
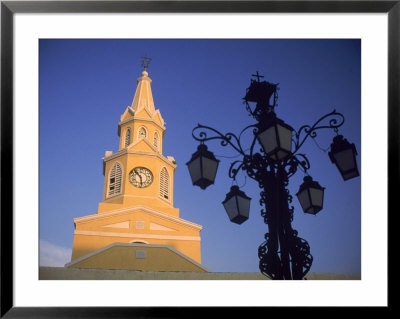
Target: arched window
128,137
164,183
142,133
114,180
156,140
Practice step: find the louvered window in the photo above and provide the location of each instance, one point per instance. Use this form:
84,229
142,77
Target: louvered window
114,180
156,139
164,184
128,138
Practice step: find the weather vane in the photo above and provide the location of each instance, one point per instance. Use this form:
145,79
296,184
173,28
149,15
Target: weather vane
145,61
258,76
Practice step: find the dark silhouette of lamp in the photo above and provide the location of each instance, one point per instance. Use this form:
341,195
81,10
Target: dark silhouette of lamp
237,205
311,196
343,155
203,167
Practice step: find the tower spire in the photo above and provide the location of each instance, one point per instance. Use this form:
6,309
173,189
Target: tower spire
143,98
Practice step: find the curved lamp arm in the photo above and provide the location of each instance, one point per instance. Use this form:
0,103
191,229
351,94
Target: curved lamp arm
336,120
227,139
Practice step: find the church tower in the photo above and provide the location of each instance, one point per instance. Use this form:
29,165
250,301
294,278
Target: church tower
137,226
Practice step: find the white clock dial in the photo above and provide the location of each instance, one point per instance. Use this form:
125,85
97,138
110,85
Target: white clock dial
140,177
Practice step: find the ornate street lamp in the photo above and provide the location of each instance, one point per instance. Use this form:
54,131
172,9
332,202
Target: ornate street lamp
237,205
203,167
283,255
343,155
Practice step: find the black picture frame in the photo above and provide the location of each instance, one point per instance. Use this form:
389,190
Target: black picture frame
9,8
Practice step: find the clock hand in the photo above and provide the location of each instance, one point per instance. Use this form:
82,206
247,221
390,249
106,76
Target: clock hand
140,176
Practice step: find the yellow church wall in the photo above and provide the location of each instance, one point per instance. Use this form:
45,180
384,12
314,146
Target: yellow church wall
126,257
84,244
98,231
188,248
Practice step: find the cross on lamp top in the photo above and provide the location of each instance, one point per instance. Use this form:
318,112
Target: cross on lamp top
258,76
145,61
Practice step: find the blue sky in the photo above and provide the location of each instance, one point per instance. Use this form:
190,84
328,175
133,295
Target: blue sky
85,85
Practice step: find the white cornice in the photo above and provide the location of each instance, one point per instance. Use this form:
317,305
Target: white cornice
125,151
116,155
128,210
141,119
126,121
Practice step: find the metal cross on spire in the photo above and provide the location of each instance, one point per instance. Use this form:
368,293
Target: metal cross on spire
258,76
145,61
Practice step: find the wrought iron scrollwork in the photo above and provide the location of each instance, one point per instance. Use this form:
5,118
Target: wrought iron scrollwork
270,263
335,119
296,161
301,256
226,139
235,168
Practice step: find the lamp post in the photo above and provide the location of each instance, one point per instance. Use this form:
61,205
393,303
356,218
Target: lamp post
283,254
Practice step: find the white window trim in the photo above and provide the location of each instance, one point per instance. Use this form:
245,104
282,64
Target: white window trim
168,186
145,129
128,130
156,143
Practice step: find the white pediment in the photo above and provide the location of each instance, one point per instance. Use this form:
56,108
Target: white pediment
139,208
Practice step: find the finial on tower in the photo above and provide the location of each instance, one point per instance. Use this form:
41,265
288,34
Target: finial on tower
258,76
145,62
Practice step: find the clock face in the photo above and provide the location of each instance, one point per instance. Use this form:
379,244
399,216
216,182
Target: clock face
140,177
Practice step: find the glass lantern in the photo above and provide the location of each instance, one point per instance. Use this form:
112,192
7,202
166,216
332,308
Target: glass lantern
203,167
343,155
311,196
237,205
276,138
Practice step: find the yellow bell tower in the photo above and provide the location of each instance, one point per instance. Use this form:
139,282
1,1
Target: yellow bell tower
137,226
148,175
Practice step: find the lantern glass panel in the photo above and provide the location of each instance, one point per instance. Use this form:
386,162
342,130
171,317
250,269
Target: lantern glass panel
244,206
231,208
195,169
268,139
285,138
317,196
304,199
209,168
345,160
